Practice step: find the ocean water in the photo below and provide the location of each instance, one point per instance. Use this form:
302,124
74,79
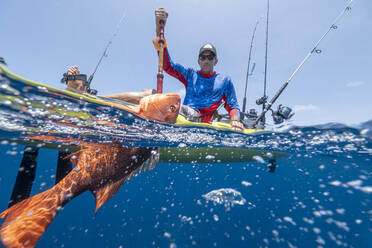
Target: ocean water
318,196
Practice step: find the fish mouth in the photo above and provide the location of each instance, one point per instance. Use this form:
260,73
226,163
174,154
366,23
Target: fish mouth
171,119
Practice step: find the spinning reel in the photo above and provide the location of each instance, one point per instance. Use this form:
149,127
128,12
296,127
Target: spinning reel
281,114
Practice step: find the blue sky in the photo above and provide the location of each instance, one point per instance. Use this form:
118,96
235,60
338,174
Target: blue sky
40,39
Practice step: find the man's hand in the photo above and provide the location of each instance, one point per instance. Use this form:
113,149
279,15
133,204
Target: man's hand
73,70
160,15
156,43
236,125
75,84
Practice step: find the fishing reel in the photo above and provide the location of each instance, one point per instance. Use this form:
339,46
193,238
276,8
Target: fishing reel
250,118
261,100
81,77
2,61
281,114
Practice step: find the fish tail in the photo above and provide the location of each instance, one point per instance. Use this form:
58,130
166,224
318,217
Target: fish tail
27,220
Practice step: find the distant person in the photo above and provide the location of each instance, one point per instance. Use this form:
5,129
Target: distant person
132,97
205,89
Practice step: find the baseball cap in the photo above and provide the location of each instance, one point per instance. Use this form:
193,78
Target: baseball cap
208,47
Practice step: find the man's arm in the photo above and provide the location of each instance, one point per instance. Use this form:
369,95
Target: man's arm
132,97
175,70
232,106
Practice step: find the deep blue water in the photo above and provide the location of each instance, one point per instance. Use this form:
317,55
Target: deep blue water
318,196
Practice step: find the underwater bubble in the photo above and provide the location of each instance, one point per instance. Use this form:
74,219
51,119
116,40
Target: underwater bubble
269,155
316,230
340,211
225,196
13,153
320,240
215,217
167,235
290,220
186,219
258,159
246,184
6,102
210,157
308,221
366,189
69,196
335,183
10,89
154,152
355,183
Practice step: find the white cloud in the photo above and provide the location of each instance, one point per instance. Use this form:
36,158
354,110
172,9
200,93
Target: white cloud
308,107
354,83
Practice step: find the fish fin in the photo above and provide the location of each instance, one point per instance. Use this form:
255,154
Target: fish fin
27,220
152,161
105,193
74,156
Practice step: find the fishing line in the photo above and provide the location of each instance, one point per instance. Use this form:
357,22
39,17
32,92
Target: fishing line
105,51
314,50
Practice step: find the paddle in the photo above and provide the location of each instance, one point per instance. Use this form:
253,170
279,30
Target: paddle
160,18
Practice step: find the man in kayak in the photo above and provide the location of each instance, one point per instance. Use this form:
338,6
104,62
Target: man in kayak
205,89
132,97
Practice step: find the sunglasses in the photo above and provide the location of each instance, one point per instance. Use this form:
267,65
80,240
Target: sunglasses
204,57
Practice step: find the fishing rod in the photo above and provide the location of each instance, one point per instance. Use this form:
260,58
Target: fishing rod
250,121
87,85
83,77
249,72
284,112
264,98
252,115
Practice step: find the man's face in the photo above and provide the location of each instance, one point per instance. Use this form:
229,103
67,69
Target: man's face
207,60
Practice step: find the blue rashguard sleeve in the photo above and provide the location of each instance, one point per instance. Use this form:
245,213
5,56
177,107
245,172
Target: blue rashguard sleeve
175,70
231,100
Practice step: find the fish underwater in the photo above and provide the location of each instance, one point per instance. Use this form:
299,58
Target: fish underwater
100,168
